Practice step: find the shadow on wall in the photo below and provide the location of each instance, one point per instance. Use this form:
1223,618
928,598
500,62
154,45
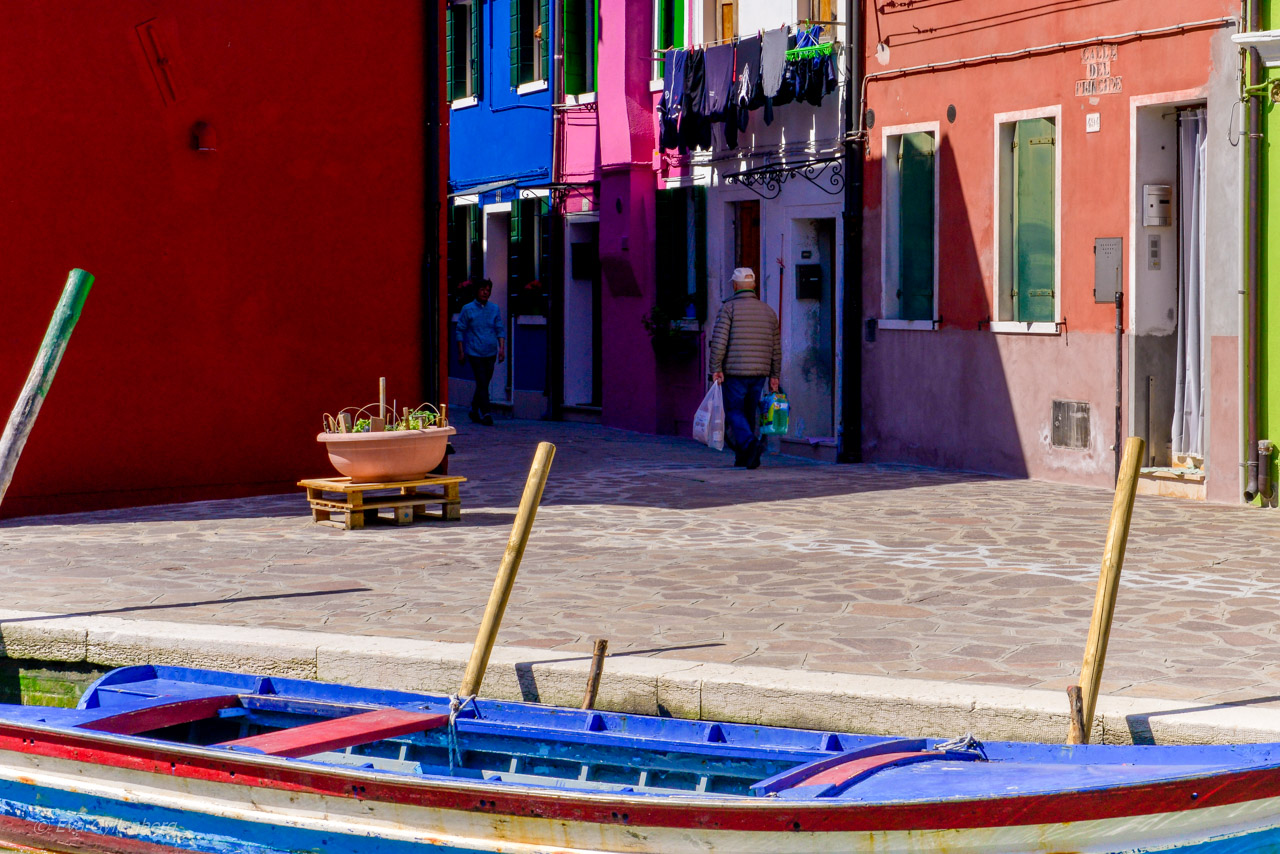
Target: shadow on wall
941,398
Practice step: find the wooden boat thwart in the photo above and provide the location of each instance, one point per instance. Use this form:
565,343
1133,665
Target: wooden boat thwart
173,759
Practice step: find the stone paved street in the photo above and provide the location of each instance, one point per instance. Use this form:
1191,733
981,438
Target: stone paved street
660,545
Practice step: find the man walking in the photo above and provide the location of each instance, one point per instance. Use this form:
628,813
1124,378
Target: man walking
746,349
481,341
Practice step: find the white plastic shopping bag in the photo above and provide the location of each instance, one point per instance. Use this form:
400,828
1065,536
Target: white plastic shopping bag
708,422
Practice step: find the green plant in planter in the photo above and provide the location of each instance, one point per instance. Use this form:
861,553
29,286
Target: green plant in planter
361,420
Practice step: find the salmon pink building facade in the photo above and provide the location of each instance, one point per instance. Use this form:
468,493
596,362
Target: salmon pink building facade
1052,215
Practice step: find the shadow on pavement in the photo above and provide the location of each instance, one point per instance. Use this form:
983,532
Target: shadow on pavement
1140,725
135,608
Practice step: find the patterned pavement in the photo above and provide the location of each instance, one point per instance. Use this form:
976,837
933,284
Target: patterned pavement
663,547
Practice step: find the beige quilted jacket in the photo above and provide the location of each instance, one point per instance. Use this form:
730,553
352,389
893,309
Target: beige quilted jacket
746,341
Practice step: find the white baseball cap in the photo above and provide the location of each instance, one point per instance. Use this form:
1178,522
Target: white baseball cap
744,277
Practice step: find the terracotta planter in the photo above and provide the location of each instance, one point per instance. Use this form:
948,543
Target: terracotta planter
387,456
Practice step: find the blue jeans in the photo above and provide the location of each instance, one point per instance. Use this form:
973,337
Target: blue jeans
741,404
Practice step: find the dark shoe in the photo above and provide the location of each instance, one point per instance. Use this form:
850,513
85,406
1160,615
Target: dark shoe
739,458
757,451
487,421
475,417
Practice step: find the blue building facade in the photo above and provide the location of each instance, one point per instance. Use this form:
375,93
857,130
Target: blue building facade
501,89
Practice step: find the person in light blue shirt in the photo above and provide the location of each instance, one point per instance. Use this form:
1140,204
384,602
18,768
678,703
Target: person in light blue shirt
481,342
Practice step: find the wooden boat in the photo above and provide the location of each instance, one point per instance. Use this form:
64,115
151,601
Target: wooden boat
172,759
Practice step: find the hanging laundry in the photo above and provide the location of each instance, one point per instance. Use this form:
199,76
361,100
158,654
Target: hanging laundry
695,129
720,70
671,106
773,56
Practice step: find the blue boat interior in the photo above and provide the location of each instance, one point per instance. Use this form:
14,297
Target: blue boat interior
506,743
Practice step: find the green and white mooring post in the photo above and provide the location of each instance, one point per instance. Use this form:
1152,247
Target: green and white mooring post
23,417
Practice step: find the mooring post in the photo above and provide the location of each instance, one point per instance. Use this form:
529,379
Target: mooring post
23,417
1104,603
597,668
507,572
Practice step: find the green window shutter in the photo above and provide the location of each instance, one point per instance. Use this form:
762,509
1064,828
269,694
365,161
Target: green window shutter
457,261
669,247
575,47
477,53
516,33
475,239
915,225
450,54
1034,241
700,249
544,27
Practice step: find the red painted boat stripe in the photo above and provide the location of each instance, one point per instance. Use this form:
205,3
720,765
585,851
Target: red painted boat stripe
764,814
159,717
339,733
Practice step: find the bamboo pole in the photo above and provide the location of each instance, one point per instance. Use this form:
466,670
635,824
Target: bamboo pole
507,571
597,668
1104,603
23,417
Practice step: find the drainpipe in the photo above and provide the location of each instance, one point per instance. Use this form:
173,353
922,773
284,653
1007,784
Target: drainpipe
1251,283
555,336
849,446
433,278
1265,450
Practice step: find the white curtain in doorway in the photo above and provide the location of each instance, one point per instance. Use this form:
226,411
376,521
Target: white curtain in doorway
1188,401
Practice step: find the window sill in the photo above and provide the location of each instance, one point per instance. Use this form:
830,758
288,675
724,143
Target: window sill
463,103
894,323
530,88
584,98
1020,328
655,85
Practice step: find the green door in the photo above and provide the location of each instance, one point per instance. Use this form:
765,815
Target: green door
915,225
1034,241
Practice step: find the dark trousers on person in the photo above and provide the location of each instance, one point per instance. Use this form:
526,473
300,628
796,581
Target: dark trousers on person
741,404
482,368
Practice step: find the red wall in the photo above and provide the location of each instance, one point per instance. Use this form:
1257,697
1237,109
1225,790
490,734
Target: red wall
240,293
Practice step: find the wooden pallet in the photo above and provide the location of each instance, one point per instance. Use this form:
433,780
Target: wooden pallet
406,502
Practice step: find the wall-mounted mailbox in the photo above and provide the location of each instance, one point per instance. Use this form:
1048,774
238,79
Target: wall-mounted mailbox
1157,210
809,281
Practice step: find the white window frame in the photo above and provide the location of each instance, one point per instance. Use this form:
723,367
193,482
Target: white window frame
1002,185
889,238
472,99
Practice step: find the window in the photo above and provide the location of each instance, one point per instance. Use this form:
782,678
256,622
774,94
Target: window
668,29
466,252
581,43
462,40
525,262
909,261
530,41
727,20
1027,224
681,260
818,12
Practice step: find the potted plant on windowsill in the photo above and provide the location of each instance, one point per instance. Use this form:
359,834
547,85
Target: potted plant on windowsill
373,444
674,338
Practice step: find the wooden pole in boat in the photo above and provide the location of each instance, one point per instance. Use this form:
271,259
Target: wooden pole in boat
1104,603
23,417
507,572
597,668
1078,734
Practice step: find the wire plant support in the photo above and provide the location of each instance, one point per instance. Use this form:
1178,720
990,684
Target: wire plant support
363,419
827,174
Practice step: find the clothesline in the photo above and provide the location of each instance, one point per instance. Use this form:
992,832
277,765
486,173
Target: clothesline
659,52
